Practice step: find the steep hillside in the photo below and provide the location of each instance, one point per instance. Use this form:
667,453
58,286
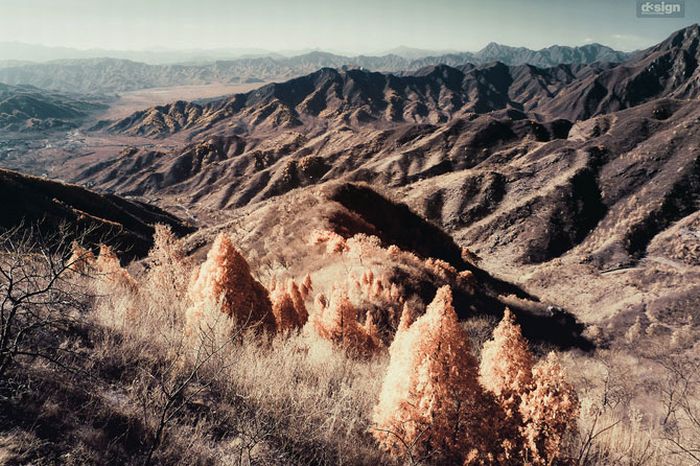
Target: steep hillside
54,207
604,192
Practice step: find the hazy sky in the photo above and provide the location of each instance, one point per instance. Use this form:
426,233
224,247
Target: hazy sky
343,25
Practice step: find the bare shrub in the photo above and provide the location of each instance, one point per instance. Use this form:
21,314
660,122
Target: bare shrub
39,298
479,329
680,397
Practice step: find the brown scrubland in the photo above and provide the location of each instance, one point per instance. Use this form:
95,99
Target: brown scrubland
180,361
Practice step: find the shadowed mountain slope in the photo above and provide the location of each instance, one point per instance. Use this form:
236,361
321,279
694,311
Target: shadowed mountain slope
50,206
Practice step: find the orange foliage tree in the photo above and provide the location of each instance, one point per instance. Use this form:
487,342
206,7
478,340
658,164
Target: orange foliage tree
535,398
306,286
166,279
337,321
110,273
82,260
288,307
549,412
224,283
431,406
506,365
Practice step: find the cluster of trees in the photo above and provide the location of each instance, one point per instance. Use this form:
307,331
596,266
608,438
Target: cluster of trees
438,403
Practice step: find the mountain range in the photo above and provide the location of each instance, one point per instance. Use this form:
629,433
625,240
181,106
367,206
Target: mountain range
110,75
331,98
560,178
603,154
436,94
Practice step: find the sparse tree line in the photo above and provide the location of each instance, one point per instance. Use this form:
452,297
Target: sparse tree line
438,403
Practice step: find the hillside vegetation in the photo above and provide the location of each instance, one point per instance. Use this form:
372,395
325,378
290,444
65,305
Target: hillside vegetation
162,366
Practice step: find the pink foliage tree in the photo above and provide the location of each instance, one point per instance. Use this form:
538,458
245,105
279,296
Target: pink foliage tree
506,364
82,260
110,273
288,307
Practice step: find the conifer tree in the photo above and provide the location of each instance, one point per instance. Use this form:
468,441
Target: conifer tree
82,260
166,279
337,321
549,412
431,405
288,307
110,272
283,310
306,286
298,299
224,283
506,365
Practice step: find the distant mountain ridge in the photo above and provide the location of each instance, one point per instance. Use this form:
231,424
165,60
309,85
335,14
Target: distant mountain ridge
101,75
437,94
43,53
25,108
355,97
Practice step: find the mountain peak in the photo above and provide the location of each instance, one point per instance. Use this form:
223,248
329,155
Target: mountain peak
493,47
682,35
683,39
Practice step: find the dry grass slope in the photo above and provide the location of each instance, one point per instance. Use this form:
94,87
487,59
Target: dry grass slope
156,391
